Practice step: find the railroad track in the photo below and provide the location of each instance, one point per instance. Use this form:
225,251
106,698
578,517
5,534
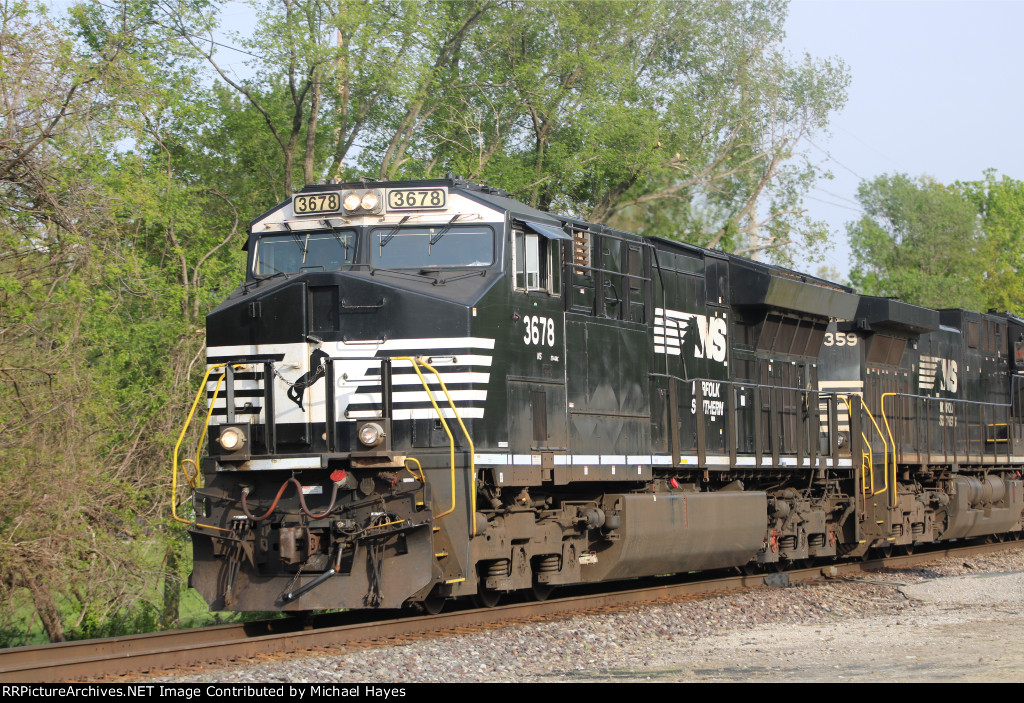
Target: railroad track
90,659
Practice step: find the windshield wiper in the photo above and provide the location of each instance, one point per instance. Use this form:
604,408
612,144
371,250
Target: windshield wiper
261,277
442,281
437,237
385,238
408,273
298,243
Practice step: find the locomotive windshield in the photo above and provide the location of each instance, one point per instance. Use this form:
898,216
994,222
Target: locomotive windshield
440,245
297,251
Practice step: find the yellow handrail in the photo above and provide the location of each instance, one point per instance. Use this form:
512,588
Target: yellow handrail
419,466
416,363
444,423
472,448
885,446
206,423
871,473
867,460
893,441
181,438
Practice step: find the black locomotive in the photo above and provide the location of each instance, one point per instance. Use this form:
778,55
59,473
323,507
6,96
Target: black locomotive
428,390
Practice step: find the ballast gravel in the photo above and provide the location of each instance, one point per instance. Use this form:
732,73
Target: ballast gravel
955,620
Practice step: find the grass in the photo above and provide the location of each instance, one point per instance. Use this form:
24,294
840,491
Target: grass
20,626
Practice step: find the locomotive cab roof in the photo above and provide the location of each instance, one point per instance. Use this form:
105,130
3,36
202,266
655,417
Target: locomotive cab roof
493,198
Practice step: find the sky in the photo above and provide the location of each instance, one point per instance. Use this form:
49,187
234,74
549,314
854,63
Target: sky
937,89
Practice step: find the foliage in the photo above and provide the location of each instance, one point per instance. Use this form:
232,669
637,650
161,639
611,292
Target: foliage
918,240
682,120
107,239
942,246
132,154
999,203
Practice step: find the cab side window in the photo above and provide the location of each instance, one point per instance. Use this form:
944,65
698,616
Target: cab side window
535,261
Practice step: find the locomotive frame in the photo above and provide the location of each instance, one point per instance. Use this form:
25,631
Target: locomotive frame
511,400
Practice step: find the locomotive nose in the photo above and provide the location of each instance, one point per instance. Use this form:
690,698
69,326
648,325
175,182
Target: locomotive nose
343,307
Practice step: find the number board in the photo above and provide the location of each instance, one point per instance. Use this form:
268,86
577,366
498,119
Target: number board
316,203
418,199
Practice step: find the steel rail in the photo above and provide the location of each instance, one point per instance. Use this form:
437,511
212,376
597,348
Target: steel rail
90,659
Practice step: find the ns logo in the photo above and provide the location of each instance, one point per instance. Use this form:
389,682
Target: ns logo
702,337
935,368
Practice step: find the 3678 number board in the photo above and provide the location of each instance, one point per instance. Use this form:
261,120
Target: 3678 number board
418,199
316,203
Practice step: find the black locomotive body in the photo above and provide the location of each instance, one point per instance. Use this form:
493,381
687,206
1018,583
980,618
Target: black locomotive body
941,448
428,390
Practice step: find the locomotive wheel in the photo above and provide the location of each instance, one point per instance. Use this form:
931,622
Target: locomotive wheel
434,603
906,549
486,598
541,591
885,551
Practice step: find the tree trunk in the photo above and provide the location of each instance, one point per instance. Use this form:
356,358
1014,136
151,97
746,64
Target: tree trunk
43,602
172,586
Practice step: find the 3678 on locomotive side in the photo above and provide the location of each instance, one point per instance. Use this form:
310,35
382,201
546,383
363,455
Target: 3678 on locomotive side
428,390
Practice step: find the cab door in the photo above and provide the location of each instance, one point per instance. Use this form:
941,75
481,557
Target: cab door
535,383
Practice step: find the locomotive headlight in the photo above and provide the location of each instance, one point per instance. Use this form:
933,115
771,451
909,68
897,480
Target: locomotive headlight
370,201
363,202
371,434
231,439
352,202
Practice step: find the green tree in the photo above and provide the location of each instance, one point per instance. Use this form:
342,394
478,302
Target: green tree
1000,204
325,77
114,241
683,120
919,241
70,489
